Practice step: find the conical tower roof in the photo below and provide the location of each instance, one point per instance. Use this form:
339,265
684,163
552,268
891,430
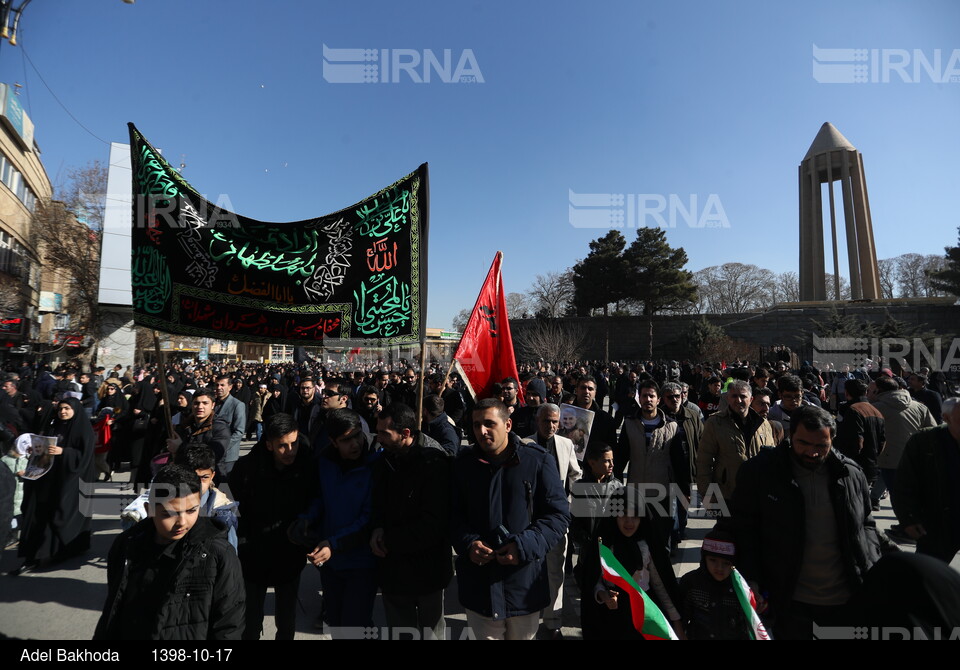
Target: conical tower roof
828,139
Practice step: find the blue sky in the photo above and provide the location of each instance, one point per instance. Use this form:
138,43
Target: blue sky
686,98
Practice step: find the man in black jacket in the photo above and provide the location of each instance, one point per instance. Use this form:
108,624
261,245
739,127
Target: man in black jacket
860,433
173,576
411,493
804,534
273,485
604,427
927,481
203,428
306,408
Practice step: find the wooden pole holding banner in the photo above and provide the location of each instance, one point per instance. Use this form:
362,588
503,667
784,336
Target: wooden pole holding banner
423,370
163,384
453,361
423,304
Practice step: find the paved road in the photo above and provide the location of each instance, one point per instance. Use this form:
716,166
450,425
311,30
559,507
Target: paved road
65,603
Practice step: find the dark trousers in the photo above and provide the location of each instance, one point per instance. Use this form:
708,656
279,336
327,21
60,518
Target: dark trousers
885,481
423,613
942,550
800,621
348,597
285,609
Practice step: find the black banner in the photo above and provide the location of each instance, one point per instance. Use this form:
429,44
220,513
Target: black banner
198,269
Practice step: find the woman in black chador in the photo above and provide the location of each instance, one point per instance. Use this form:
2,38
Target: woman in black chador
54,525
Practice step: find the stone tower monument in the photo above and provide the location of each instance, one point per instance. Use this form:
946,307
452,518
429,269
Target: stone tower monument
831,158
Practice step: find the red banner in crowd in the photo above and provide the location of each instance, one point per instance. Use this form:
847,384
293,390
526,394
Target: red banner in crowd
485,355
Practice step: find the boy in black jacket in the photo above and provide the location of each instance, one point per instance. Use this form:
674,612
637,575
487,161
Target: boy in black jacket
173,576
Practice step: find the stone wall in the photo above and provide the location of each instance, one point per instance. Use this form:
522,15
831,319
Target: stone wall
789,323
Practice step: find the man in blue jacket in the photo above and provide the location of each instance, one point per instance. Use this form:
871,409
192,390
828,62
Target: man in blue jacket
509,509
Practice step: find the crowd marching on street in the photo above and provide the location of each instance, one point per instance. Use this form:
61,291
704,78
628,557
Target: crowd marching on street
584,472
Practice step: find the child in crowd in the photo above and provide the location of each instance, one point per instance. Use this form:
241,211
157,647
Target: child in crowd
634,543
711,610
213,502
173,576
16,460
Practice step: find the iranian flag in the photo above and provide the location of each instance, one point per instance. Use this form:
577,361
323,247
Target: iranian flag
749,605
647,617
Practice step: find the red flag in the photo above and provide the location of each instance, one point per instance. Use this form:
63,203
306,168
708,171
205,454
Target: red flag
485,354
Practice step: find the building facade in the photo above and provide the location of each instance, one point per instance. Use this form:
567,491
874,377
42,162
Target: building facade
23,183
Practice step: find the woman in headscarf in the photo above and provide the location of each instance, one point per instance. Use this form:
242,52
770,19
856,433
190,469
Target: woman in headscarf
180,411
154,441
113,397
55,527
142,403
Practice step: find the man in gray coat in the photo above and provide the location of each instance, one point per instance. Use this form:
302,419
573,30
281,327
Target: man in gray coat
232,411
902,417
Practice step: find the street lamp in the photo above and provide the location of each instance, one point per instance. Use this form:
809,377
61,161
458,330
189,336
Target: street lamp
10,18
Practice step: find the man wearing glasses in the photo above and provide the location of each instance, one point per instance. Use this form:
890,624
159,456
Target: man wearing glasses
790,388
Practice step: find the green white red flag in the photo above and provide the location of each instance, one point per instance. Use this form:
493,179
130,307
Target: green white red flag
647,617
749,604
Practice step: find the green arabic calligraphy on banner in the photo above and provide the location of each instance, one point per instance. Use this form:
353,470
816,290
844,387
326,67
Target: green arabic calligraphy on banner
198,269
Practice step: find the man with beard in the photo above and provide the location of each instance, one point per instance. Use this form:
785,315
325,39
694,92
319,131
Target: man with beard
368,405
804,533
306,408
730,437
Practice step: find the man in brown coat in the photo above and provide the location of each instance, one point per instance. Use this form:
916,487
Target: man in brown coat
730,437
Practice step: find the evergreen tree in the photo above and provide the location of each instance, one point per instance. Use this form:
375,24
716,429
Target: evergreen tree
600,278
948,279
656,279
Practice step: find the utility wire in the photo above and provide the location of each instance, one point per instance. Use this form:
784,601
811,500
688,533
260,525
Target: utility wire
26,84
27,56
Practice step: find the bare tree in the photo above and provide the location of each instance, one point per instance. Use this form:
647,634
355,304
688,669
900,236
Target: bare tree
70,250
912,274
552,293
85,193
845,293
735,288
460,320
550,341
787,287
888,277
518,306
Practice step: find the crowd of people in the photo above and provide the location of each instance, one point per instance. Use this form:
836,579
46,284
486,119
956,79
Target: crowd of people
513,493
